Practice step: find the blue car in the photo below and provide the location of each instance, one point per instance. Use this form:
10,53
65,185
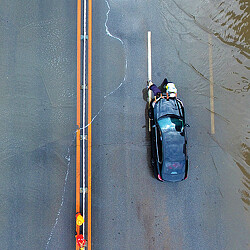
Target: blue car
168,139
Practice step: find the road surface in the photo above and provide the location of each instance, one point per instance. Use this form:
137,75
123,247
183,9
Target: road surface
198,45
132,210
38,112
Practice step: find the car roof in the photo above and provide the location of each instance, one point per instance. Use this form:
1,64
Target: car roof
173,146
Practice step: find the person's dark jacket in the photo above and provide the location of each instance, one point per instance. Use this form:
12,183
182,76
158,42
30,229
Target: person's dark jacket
155,89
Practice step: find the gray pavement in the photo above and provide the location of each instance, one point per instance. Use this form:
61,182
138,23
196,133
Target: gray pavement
132,210
37,110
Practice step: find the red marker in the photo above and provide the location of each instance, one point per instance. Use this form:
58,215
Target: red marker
80,240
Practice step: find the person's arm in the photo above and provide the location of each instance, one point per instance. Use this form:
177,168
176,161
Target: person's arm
154,88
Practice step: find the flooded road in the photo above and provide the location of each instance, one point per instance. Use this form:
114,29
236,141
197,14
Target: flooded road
203,47
191,26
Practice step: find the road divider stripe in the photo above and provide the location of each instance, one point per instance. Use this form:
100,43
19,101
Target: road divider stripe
84,112
78,113
89,117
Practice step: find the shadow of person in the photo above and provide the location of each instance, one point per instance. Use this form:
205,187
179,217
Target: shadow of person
145,94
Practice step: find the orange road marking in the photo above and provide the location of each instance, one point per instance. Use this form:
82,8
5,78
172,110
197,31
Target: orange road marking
78,114
89,117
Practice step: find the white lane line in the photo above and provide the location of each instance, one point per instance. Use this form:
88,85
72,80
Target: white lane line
83,113
211,79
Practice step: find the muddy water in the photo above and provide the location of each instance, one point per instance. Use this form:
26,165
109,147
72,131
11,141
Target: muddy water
226,23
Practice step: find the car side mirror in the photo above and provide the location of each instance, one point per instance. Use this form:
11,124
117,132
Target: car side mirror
187,125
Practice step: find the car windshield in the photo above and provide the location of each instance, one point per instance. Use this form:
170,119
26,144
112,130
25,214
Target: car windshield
170,124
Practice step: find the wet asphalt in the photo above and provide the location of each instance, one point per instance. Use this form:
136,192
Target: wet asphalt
37,110
130,209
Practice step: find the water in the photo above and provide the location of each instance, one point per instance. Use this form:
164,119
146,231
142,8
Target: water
210,209
227,23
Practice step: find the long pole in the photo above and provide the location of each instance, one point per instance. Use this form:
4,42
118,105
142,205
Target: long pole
149,71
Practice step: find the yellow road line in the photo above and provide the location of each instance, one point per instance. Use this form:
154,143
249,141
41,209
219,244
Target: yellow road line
78,114
89,117
211,79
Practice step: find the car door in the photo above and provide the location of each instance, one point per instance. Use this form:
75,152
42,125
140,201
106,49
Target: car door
158,144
